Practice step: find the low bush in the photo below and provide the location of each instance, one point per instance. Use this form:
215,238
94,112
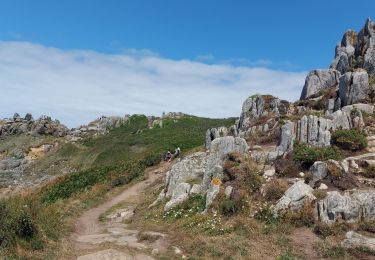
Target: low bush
152,159
285,167
369,172
275,189
349,139
325,230
302,217
368,226
320,194
307,155
228,207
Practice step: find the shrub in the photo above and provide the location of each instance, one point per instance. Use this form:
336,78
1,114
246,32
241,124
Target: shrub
307,155
275,189
369,172
228,207
351,139
325,230
152,159
287,168
26,227
320,194
368,226
303,217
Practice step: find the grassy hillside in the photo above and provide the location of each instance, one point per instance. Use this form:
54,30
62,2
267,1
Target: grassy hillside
101,164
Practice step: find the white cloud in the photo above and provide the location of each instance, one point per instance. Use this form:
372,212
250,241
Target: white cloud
77,86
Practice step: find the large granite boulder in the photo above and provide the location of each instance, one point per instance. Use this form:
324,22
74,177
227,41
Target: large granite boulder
351,206
313,130
294,198
285,143
318,80
354,87
190,168
318,172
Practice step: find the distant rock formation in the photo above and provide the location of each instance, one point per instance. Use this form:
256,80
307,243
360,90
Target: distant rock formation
41,126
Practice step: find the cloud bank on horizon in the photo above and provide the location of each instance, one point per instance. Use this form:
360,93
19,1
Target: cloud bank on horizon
77,86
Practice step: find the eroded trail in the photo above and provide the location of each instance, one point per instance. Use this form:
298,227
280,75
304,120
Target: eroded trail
95,239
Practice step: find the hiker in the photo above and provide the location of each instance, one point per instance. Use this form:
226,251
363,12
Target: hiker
168,157
177,152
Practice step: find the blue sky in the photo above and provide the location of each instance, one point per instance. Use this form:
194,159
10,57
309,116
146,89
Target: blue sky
296,35
238,37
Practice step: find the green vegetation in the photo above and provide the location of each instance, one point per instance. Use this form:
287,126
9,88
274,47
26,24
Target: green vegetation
25,221
275,189
307,155
349,139
369,172
99,164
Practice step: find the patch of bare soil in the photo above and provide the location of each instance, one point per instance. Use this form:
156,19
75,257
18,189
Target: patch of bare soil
303,241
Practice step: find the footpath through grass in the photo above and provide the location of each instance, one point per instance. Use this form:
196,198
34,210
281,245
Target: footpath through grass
32,224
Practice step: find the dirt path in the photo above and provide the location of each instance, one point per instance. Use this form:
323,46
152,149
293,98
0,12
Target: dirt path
91,234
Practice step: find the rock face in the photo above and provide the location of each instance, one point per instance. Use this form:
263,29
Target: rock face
356,50
317,80
189,169
355,240
257,106
349,207
313,130
286,138
294,198
214,133
42,126
97,127
318,171
354,87
202,167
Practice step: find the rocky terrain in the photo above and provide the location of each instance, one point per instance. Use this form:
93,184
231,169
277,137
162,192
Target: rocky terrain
296,177
335,101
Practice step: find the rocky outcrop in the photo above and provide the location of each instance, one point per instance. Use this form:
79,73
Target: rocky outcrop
189,169
313,130
356,50
99,126
213,133
294,198
318,172
318,80
351,206
354,87
257,106
354,240
200,167
286,138
41,126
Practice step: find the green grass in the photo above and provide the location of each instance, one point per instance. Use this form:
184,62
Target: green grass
104,162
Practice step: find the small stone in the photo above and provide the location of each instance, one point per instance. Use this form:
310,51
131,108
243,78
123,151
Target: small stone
228,191
302,174
323,187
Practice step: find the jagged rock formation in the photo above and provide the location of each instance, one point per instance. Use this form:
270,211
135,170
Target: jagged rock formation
42,126
356,50
354,87
99,126
199,167
351,206
318,80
